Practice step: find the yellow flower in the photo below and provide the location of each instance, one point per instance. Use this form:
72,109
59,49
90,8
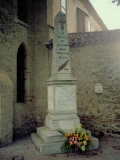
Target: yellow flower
85,138
74,130
78,130
80,126
67,135
83,133
76,135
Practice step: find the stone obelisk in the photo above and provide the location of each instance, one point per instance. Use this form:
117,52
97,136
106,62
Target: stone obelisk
62,103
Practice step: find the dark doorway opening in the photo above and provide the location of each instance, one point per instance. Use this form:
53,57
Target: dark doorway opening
21,55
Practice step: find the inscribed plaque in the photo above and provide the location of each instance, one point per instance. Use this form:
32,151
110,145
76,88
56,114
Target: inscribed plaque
65,97
98,88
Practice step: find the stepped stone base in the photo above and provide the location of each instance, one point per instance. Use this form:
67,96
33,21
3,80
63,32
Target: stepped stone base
50,142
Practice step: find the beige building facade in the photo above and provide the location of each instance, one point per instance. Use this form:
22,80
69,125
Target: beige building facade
81,16
25,61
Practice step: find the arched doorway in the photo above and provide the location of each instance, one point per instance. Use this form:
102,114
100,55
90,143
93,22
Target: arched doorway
21,56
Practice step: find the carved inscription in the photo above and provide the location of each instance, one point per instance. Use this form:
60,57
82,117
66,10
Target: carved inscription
63,62
65,97
62,23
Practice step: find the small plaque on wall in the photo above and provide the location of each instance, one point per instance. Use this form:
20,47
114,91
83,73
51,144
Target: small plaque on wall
98,88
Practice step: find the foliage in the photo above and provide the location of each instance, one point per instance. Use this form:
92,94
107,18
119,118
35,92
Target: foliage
78,140
118,2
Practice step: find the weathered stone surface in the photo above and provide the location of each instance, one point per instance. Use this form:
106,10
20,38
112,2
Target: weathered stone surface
46,148
61,56
12,34
95,143
90,38
49,136
97,64
6,109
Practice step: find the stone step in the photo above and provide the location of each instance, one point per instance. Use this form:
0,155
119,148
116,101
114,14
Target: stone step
50,136
46,148
37,140
55,148
53,136
95,142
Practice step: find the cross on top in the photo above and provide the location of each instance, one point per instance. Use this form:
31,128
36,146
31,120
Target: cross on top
62,22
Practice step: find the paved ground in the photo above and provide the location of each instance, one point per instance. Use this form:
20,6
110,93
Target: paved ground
109,150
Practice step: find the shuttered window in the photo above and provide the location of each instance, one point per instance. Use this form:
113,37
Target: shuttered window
80,20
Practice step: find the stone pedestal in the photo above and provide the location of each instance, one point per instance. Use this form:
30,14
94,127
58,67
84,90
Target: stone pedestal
62,114
62,106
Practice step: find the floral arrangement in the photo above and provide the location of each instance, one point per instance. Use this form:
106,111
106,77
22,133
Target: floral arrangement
78,140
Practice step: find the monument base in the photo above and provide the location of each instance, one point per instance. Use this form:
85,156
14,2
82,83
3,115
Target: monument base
50,142
62,121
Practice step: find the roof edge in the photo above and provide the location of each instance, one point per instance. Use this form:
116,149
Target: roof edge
94,13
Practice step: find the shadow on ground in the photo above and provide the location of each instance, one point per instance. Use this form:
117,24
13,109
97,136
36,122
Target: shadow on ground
24,148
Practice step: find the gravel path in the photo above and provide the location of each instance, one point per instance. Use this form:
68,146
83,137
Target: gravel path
109,150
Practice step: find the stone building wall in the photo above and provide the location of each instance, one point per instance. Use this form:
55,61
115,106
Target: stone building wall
33,35
97,60
41,70
12,35
6,110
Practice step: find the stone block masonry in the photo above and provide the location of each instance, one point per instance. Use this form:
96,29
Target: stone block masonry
12,35
92,64
6,110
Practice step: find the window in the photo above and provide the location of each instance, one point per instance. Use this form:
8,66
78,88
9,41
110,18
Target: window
80,20
21,74
22,10
63,6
